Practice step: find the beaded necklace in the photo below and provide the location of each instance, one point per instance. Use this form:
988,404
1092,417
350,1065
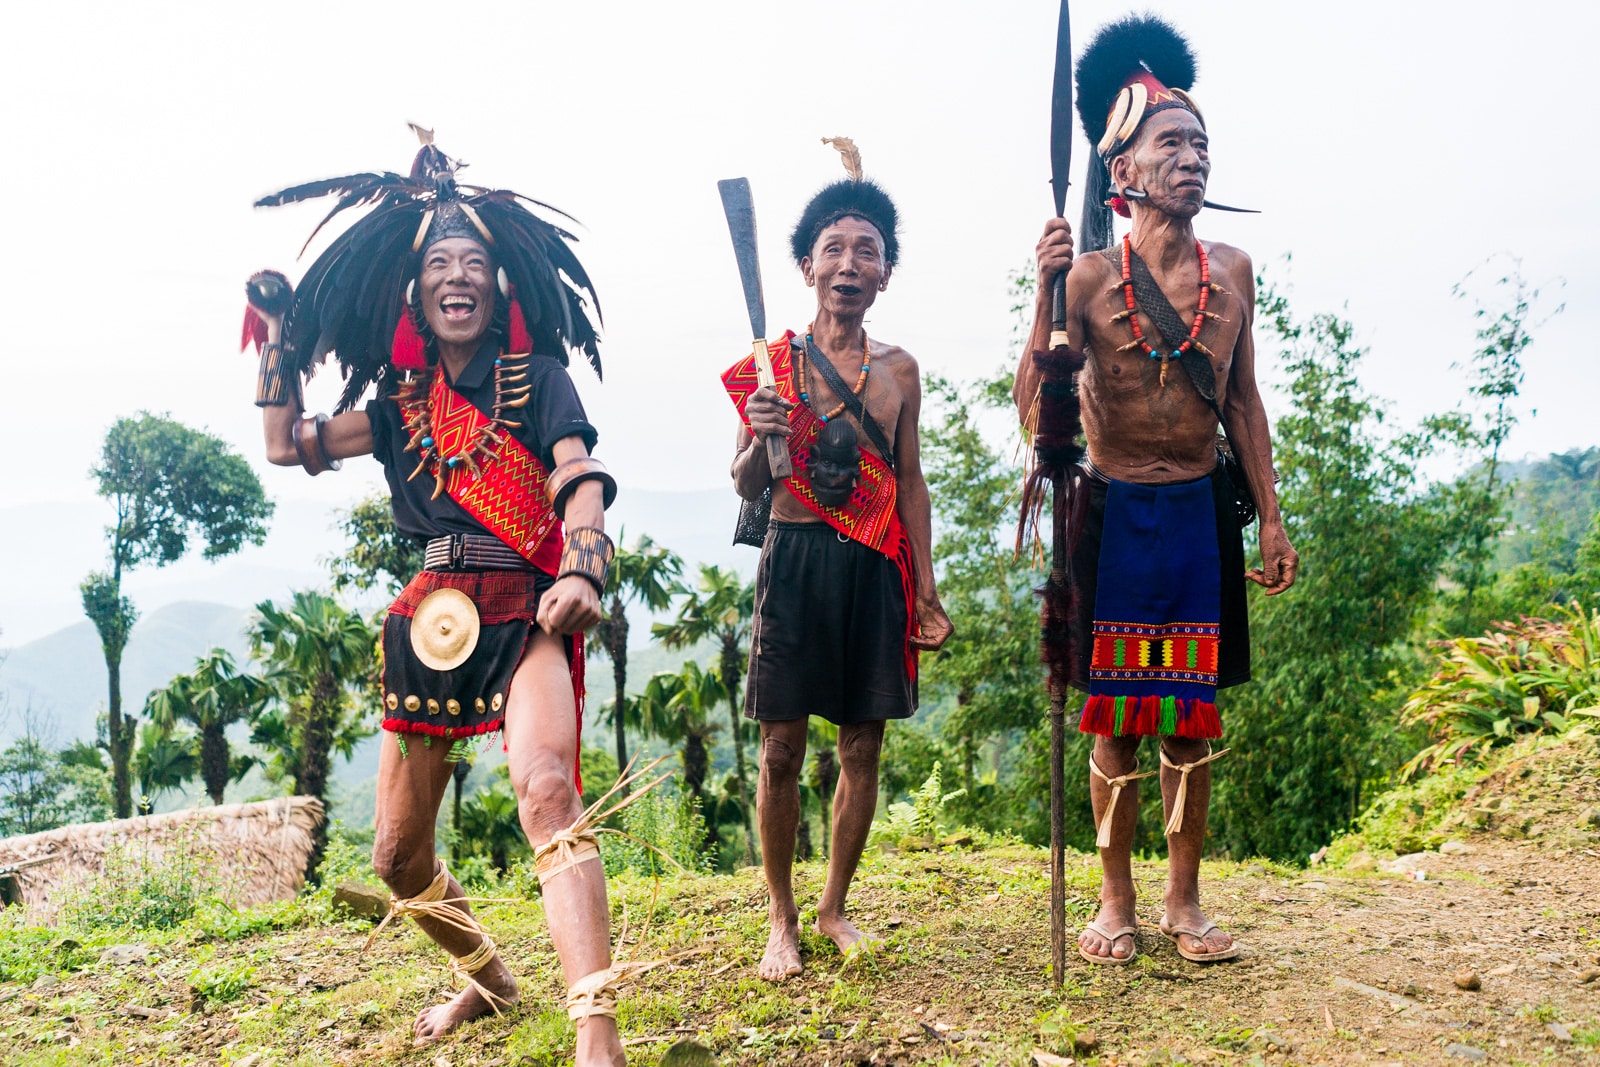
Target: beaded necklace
415,397
1132,312
800,373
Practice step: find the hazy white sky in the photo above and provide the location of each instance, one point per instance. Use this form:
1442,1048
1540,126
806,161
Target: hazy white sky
1391,146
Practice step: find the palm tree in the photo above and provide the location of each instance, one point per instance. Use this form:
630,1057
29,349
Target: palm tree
721,609
677,708
489,820
212,697
318,654
644,574
162,761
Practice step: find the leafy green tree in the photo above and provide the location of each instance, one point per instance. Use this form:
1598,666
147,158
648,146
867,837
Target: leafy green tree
320,657
163,760
489,822
1481,497
721,609
677,708
168,484
644,574
211,698
378,554
41,790
1318,725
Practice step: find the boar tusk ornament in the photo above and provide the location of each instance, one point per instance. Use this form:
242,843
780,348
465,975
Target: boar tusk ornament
444,630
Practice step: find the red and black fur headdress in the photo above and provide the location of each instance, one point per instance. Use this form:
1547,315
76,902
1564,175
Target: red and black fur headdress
1133,68
353,297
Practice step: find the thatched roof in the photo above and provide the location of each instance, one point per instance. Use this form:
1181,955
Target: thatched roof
258,851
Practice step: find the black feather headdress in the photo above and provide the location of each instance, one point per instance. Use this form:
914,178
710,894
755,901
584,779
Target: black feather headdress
353,296
856,195
1133,68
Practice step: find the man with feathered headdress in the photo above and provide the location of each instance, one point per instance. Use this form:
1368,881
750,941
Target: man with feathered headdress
845,593
1156,619
461,306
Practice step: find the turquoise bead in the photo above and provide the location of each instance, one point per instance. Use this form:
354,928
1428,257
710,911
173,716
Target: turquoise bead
427,442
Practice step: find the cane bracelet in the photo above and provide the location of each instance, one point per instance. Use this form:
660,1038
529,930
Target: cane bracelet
587,554
272,379
568,476
310,448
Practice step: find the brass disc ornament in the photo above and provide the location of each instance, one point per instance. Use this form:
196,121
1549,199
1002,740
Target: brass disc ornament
444,631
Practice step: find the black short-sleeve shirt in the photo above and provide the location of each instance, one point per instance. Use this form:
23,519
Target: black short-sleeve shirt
553,411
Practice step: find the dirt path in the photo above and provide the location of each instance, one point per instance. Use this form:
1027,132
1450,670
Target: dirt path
1341,969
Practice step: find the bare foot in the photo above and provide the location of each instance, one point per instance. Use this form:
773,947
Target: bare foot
1188,914
842,932
433,1023
782,959
1114,915
598,1043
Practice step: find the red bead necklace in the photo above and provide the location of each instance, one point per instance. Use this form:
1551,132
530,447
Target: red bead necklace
1133,307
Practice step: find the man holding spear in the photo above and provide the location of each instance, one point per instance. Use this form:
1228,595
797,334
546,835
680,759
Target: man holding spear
845,594
1153,346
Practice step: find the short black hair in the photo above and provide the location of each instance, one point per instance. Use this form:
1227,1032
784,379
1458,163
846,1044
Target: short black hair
863,199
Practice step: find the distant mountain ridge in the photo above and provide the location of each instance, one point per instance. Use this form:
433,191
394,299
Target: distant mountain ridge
62,675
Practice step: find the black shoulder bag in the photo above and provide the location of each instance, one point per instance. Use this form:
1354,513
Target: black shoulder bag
1201,374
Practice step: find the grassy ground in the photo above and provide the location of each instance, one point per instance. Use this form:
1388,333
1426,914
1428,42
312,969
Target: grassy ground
1343,967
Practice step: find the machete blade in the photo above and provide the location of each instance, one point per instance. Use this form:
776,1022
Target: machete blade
740,208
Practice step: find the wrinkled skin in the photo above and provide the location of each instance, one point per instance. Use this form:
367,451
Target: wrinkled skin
1141,431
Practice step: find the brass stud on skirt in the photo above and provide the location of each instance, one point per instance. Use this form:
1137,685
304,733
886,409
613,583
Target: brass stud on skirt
453,706
413,703
433,706
392,701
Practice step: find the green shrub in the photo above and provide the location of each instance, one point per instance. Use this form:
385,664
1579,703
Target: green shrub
670,822
1531,677
924,816
222,982
140,889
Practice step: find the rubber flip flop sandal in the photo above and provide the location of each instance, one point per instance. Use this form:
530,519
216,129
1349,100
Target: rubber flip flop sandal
1172,933
1111,936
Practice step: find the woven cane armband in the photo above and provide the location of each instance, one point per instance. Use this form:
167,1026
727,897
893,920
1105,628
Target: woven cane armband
587,554
309,447
574,472
272,379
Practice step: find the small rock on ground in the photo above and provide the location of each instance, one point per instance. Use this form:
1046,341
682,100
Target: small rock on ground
1466,1052
362,901
1560,1032
122,955
1468,979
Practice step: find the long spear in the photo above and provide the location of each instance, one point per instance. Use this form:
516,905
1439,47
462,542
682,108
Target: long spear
1060,169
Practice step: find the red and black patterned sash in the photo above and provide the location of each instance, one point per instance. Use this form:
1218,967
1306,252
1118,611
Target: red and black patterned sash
870,517
507,493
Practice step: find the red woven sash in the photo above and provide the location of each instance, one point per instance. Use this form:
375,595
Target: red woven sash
508,496
870,517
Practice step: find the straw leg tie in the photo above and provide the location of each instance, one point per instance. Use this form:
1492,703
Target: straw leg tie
1175,824
432,903
1116,784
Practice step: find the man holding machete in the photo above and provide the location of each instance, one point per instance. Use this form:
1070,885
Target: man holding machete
845,593
1157,615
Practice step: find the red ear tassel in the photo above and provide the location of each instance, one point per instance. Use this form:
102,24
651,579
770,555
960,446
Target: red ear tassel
409,351
518,340
255,329
1120,206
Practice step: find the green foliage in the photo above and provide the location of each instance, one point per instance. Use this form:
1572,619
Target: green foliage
1316,727
144,889
163,761
1408,818
645,574
320,658
378,554
41,790
922,817
1529,677
490,825
168,484
222,982
26,952
213,696
668,821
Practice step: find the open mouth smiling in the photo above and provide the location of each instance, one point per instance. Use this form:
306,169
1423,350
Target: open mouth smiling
457,306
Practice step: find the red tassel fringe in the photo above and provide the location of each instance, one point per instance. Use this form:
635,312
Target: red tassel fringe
409,351
1141,717
406,726
255,329
518,340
